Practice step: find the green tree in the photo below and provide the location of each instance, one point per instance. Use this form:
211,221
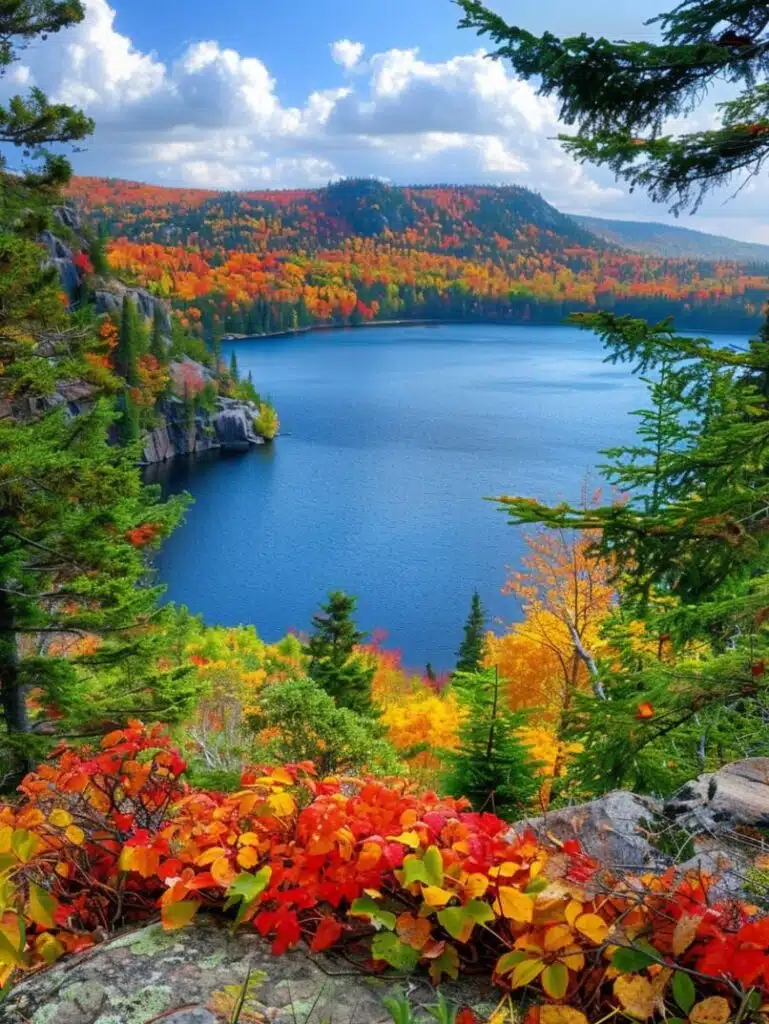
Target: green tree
158,345
473,647
234,373
97,251
127,353
620,94
492,767
30,122
306,724
334,662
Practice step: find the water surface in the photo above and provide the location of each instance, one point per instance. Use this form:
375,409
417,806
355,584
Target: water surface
392,438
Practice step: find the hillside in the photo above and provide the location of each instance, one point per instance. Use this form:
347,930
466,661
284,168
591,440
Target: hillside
360,250
672,241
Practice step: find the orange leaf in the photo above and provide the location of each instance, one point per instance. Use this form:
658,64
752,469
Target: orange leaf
558,937
561,1015
177,915
414,931
685,932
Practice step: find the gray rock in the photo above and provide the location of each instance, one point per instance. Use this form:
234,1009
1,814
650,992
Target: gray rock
614,829
60,256
736,795
68,216
109,296
184,976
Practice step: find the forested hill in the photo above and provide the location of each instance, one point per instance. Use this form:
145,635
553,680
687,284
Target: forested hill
360,250
674,241
467,222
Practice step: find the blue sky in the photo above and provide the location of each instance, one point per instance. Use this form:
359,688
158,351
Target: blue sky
271,94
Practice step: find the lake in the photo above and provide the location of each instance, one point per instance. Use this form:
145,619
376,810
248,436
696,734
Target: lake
392,438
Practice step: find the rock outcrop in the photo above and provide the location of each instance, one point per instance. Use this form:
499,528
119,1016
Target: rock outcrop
110,294
60,256
195,976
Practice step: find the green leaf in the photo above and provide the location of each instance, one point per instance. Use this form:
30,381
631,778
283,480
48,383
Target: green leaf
631,960
415,870
41,906
388,947
365,906
536,885
555,980
247,888
479,911
433,864
508,961
684,991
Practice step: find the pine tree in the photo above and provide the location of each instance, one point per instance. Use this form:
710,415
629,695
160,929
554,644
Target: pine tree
620,94
158,346
333,660
234,374
130,426
126,357
473,648
97,251
492,766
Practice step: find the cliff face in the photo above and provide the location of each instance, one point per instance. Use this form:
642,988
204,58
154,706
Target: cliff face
228,427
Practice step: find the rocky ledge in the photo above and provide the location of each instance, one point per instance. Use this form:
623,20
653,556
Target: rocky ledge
229,428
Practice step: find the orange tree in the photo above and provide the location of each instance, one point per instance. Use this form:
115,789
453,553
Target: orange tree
400,877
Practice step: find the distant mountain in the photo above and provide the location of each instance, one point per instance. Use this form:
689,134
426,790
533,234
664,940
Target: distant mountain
673,242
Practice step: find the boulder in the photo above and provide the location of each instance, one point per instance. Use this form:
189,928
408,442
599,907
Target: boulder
736,795
615,829
194,976
234,426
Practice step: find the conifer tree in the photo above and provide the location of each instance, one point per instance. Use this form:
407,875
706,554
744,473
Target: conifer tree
234,374
472,649
130,426
619,95
333,660
492,766
158,347
127,352
97,251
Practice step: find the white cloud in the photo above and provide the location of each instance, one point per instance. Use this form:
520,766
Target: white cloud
215,118
347,53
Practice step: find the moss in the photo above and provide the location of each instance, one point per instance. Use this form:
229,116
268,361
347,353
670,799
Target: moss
144,1005
147,942
210,962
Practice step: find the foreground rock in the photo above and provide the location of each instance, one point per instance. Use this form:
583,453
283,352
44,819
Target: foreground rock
229,428
194,976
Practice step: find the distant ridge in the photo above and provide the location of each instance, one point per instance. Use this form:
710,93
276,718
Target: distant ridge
674,242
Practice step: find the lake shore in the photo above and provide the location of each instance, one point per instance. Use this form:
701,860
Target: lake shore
324,328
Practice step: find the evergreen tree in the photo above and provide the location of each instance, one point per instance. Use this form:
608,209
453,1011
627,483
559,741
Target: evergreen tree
472,649
97,251
130,426
31,123
430,675
126,357
492,766
620,94
333,661
234,374
158,347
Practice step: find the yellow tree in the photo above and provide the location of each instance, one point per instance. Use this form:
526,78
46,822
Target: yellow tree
565,592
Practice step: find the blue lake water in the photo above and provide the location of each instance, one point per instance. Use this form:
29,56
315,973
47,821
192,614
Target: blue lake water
392,438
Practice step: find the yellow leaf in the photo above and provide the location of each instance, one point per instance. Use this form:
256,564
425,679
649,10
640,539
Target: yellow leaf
514,905
249,839
685,932
247,857
558,937
476,885
209,856
592,927
223,872
60,818
573,910
550,1014
714,1010
41,906
525,972
177,915
410,839
282,805
75,834
636,996
434,896
573,958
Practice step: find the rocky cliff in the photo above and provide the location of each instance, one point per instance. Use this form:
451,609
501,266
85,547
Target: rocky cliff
228,427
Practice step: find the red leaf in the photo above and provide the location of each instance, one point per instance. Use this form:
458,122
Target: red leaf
326,935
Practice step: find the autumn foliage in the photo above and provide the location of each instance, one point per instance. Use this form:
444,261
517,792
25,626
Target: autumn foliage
402,878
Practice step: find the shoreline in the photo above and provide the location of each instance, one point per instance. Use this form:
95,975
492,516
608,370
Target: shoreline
318,328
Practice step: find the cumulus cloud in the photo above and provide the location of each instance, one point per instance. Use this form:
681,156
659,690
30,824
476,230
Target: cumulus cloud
215,118
347,53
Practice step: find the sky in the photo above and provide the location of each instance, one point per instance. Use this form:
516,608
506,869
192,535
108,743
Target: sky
245,94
